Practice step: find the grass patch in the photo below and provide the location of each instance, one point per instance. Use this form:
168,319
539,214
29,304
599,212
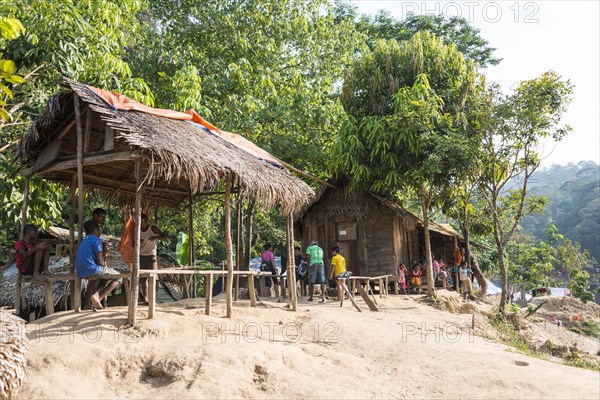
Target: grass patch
511,337
583,363
589,328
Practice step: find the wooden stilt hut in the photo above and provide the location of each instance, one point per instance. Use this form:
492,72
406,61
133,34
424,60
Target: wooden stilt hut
130,153
374,233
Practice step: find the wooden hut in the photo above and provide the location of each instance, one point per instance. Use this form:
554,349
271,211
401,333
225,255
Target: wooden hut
374,233
134,154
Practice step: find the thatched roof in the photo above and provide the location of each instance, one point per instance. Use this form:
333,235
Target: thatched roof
352,204
13,347
178,156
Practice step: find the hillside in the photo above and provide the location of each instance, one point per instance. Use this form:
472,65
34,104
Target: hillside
407,350
573,192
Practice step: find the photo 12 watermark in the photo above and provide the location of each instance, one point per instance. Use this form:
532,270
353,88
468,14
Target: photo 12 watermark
475,11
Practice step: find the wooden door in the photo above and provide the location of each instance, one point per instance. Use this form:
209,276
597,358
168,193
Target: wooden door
346,240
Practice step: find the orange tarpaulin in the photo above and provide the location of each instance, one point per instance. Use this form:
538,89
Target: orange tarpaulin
120,102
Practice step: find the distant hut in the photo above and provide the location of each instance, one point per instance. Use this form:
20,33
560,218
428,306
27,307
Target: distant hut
374,233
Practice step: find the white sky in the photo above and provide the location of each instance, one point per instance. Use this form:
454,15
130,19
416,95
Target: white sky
532,37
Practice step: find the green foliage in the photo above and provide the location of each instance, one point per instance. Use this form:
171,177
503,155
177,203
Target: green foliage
10,28
182,250
587,327
267,69
580,286
452,30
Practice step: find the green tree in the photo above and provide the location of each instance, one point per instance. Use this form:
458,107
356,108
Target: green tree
267,69
10,28
509,156
84,40
408,126
580,286
451,30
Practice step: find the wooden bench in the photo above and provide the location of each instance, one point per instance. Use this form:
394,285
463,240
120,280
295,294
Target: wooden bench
49,297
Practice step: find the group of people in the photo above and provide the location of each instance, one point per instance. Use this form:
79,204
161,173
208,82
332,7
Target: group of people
439,270
90,259
313,258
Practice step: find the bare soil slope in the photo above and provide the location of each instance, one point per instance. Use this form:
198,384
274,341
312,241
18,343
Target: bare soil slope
407,350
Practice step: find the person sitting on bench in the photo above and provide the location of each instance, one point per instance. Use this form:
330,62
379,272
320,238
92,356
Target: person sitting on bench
90,262
32,256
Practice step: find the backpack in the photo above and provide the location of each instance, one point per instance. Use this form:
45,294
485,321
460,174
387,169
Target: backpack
302,270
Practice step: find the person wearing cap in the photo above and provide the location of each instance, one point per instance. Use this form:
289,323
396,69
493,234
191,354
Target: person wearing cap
314,257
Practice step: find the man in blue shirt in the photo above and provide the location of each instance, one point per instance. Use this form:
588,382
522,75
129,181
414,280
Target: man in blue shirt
90,262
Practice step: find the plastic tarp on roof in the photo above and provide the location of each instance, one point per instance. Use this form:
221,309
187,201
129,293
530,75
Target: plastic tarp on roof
123,103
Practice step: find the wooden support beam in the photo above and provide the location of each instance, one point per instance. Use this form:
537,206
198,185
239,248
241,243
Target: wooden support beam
228,244
251,291
208,285
109,138
191,240
25,203
76,295
151,295
48,298
366,298
79,163
72,200
291,266
238,241
18,294
88,131
135,270
90,159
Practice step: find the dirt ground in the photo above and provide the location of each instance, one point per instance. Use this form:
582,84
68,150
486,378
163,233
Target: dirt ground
406,350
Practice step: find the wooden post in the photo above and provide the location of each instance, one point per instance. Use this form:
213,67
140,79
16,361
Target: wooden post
25,203
208,284
291,266
151,295
228,243
191,241
238,241
76,302
456,283
79,163
251,291
48,298
18,294
135,270
72,223
88,130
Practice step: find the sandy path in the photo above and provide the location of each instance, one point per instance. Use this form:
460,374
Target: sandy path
407,350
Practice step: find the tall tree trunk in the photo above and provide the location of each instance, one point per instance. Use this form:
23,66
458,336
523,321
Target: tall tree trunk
475,264
503,275
429,270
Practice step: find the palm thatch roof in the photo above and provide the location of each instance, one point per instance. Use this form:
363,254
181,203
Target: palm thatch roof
353,204
13,347
179,158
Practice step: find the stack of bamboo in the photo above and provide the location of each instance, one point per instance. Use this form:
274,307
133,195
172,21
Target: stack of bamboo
13,346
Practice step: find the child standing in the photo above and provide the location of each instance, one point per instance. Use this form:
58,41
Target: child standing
401,272
465,279
415,277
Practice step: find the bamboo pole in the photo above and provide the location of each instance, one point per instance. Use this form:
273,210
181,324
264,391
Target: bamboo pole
238,240
191,239
228,243
79,162
291,266
135,270
72,201
88,131
25,203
